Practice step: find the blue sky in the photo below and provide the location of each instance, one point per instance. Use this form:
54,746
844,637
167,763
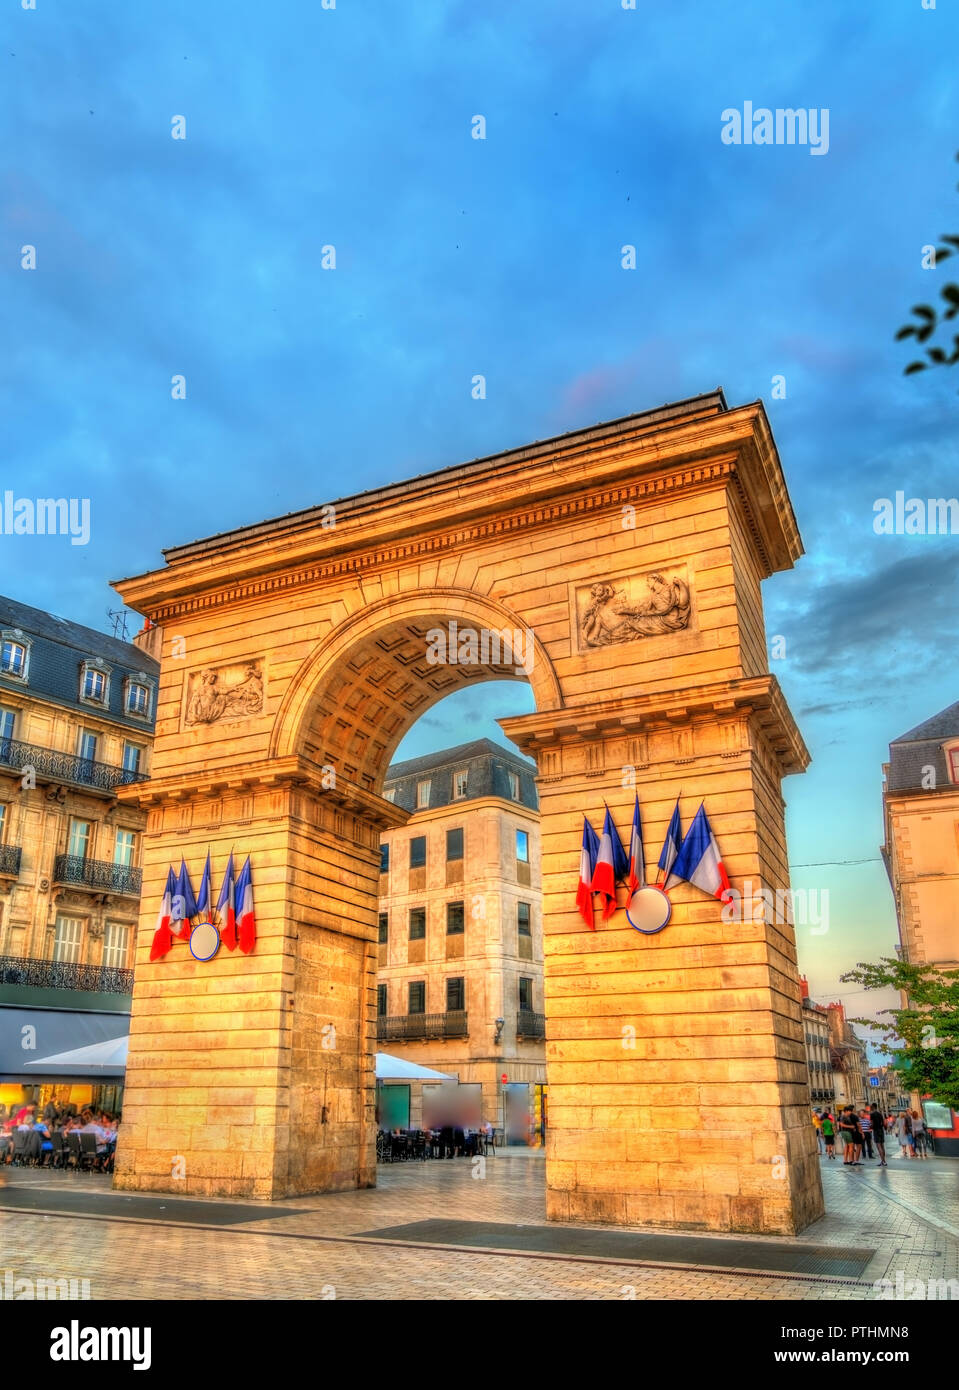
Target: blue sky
307,127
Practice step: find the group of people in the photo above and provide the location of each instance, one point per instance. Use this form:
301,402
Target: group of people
57,1119
867,1130
449,1141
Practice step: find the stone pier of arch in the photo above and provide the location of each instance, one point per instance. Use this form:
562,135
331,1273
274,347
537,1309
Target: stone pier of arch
676,1067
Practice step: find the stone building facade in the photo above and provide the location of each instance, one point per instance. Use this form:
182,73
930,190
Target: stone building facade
77,710
850,1066
818,1054
921,851
920,802
460,954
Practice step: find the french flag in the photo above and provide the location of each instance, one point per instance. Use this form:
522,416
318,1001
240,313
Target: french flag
163,936
226,908
611,865
587,863
671,844
699,861
245,916
637,867
184,903
204,899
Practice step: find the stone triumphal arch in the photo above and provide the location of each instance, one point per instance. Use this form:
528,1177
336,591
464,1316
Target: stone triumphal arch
626,561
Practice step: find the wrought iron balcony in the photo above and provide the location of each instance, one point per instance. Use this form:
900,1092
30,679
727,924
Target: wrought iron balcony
98,874
51,766
57,974
530,1025
10,860
404,1027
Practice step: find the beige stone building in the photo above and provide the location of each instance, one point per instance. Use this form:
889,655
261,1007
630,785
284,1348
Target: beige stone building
850,1067
920,802
77,711
921,850
886,1090
818,1053
460,956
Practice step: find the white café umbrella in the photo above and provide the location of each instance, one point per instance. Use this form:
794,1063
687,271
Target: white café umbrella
389,1068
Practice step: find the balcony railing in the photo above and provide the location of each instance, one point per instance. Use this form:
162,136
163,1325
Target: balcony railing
51,766
10,860
98,874
57,974
530,1025
403,1027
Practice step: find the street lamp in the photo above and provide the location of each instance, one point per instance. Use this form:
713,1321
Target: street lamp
500,1025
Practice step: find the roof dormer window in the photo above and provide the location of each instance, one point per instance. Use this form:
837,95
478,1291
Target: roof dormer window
951,752
95,682
137,697
14,655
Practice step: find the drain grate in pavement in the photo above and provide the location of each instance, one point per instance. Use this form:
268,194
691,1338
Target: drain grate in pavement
724,1253
192,1213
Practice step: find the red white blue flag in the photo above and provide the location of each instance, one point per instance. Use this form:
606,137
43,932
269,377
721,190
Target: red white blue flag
699,861
163,936
587,863
184,903
671,844
204,899
245,916
611,865
226,908
637,868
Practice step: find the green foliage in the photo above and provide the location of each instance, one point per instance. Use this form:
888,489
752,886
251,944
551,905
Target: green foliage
928,319
922,1039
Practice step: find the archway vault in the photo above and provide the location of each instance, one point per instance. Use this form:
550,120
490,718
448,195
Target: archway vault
356,695
291,645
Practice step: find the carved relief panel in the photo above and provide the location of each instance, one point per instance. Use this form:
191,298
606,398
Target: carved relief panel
610,611
227,693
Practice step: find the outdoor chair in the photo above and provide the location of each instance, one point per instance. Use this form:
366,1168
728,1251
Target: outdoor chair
20,1147
73,1151
59,1157
88,1151
33,1148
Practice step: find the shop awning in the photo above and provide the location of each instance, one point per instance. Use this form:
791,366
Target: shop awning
47,1044
389,1068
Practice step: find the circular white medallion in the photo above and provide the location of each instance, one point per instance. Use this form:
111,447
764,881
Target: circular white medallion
649,911
204,941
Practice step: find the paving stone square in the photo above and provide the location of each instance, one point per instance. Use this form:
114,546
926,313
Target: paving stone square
64,1225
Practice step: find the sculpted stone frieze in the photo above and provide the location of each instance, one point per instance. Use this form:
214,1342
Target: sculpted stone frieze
224,692
614,611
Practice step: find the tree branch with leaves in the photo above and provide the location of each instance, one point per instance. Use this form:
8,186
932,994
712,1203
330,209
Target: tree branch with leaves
920,1039
928,320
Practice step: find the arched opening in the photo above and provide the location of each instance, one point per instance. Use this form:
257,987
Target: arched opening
362,689
458,984
460,945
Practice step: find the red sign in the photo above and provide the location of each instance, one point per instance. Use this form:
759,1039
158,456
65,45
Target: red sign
503,1078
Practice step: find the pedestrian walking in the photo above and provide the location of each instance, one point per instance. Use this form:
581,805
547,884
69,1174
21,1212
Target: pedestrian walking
879,1134
852,1138
865,1125
920,1136
829,1134
817,1126
904,1130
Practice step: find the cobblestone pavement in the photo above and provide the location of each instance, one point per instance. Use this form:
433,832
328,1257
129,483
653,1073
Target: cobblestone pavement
908,1212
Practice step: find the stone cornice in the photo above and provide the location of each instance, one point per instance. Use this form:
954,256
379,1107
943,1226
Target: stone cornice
292,772
758,697
578,475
